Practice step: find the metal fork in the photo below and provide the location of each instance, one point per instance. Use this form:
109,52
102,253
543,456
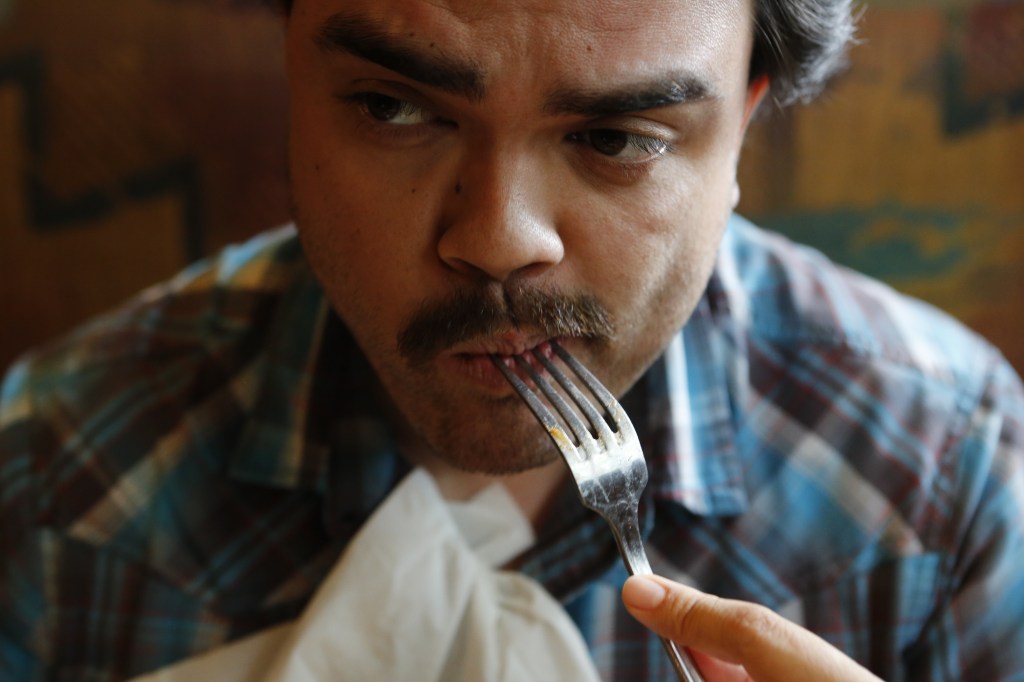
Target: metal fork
606,463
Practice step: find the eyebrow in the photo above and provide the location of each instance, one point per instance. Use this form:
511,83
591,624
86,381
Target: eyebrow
367,39
676,88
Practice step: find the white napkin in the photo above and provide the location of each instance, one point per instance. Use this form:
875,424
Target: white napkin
416,596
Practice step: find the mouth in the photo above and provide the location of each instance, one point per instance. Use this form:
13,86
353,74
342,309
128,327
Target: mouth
473,359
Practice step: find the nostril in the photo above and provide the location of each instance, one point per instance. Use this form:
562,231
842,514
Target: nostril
465,267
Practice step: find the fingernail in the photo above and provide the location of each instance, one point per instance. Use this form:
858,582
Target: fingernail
643,593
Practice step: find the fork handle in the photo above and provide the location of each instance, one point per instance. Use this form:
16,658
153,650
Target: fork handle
631,547
686,669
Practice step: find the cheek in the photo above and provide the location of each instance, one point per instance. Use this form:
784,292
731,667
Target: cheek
350,203
664,237
655,256
360,238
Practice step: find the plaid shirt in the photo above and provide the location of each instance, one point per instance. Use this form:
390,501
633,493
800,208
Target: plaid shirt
186,471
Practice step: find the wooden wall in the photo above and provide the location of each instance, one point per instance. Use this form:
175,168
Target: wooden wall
137,136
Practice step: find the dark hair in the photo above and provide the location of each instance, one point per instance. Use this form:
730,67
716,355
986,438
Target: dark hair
798,44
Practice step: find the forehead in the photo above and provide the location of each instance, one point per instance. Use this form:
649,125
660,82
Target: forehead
541,40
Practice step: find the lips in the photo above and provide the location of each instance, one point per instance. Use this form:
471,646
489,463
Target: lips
506,345
474,358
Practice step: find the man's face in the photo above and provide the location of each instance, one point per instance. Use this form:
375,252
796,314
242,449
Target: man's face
479,176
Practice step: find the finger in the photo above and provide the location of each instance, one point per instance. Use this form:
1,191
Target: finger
715,670
767,645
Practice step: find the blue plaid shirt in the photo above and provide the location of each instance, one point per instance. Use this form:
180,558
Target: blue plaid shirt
186,471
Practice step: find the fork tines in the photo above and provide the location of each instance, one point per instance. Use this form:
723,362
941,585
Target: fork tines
595,428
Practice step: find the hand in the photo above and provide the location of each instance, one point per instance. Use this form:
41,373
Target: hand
736,640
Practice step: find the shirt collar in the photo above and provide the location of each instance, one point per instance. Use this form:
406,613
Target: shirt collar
690,428
277,446
314,424
694,393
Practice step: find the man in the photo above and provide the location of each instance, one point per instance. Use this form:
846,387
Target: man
474,178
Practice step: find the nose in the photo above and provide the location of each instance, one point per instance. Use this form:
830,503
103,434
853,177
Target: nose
497,221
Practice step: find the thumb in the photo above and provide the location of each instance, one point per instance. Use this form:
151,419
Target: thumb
767,645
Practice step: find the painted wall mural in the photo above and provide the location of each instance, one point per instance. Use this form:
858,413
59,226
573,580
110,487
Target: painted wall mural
135,137
911,168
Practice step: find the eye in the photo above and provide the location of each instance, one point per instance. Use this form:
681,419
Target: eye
622,146
391,110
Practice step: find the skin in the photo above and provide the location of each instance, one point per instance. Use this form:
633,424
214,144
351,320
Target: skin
478,149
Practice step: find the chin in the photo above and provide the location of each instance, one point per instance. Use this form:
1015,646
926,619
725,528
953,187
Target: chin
499,451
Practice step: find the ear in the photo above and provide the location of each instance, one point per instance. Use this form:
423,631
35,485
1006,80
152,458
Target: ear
756,91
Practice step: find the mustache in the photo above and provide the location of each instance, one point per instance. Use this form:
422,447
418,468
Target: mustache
471,313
